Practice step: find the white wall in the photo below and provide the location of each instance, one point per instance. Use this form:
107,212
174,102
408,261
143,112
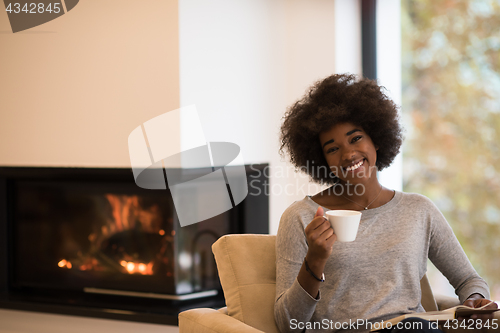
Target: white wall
73,89
389,73
228,70
242,63
348,37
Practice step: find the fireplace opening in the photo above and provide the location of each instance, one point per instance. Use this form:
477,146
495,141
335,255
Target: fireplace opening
93,238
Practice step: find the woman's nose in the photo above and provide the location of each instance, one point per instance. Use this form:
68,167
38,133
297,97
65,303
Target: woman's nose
348,155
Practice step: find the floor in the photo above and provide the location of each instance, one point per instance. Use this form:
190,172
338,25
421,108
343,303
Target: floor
13,321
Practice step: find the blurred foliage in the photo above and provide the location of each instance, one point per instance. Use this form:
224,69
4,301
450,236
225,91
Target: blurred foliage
451,101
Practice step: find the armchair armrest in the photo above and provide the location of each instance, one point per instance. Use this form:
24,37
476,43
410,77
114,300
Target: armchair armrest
446,302
211,321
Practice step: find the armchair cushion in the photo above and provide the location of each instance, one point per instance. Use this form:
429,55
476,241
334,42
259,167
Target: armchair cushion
211,321
247,271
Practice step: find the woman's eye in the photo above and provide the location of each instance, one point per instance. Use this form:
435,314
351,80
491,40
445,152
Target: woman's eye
356,138
331,150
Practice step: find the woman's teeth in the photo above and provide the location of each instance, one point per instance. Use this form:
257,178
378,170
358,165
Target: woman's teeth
355,166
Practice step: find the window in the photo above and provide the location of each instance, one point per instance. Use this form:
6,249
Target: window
451,101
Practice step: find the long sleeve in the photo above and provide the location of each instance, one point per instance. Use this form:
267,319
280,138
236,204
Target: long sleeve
374,278
447,255
293,304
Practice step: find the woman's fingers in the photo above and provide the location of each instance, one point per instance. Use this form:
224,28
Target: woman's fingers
489,305
332,237
317,222
317,219
319,212
477,303
317,227
469,303
320,236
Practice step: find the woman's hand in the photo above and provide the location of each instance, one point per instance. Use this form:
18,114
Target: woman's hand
477,301
320,238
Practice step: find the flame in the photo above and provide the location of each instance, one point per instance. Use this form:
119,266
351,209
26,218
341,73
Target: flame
138,268
64,263
124,207
130,267
126,213
127,210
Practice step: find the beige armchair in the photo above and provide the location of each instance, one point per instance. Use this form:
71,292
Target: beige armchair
247,270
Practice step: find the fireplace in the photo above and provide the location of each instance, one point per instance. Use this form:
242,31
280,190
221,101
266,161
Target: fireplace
91,242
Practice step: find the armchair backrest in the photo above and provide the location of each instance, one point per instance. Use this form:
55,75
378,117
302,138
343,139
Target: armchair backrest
247,271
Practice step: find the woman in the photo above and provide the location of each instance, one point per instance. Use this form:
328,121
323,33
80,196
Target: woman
341,133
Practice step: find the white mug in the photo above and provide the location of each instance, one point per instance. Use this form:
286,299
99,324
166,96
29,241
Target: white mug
345,223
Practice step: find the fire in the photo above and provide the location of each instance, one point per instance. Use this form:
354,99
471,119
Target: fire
137,268
111,241
127,211
130,266
64,263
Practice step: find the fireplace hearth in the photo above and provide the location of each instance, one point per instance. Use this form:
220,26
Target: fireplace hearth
88,241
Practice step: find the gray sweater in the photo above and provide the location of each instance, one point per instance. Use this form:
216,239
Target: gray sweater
374,278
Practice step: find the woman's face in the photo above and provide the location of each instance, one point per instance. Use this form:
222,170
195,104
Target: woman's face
349,152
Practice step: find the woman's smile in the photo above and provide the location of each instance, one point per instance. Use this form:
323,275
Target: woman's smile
349,152
354,166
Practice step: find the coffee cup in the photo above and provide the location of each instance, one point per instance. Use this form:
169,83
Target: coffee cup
345,223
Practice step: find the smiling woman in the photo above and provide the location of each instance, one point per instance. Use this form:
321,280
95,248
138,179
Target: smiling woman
339,99
351,129
351,156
